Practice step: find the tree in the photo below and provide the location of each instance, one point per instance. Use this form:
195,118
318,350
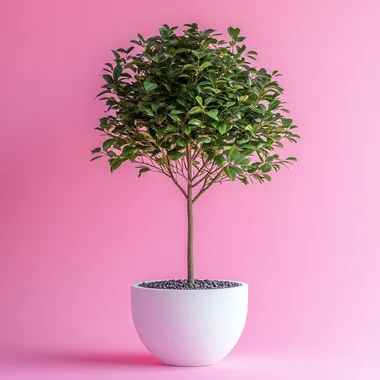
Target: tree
195,108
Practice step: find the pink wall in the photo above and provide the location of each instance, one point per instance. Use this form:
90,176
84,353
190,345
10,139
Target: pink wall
73,236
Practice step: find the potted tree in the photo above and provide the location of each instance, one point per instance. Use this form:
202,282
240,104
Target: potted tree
196,109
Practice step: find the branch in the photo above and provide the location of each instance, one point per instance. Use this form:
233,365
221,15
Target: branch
189,167
158,169
200,169
179,170
207,176
206,187
196,152
181,165
174,179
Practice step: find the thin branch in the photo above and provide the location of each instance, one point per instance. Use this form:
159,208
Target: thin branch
210,172
206,187
189,165
174,179
142,162
195,155
153,168
200,169
182,168
179,169
185,164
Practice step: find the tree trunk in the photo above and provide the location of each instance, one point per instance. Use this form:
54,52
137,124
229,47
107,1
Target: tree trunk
190,253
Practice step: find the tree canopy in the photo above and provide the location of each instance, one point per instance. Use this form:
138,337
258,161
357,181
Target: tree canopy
195,108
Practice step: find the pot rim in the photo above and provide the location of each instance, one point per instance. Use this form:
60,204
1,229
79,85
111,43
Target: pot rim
135,285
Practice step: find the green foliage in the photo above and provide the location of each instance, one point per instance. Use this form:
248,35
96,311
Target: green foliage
194,100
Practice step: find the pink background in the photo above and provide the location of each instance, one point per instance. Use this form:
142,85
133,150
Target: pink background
73,236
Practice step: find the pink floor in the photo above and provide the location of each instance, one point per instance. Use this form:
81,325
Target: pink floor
138,364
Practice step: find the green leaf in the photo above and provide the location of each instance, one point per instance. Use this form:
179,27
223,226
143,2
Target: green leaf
254,167
127,150
209,100
117,72
220,160
237,169
181,102
103,92
175,117
108,78
222,128
96,150
235,156
126,51
147,111
143,170
176,112
232,154
213,114
115,164
231,172
267,177
149,86
274,104
107,144
240,49
258,110
203,139
199,100
195,110
291,159
266,168
181,50
204,65
287,122
175,155
181,142
188,67
164,32
103,121
95,158
233,32
248,146
116,54
196,122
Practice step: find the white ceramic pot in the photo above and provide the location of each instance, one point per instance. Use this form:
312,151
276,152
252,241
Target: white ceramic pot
189,327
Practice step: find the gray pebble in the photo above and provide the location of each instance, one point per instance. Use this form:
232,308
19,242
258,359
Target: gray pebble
185,285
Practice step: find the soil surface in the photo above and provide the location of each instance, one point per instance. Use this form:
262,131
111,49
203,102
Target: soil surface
185,285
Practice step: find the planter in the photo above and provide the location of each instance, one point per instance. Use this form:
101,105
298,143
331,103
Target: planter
189,327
